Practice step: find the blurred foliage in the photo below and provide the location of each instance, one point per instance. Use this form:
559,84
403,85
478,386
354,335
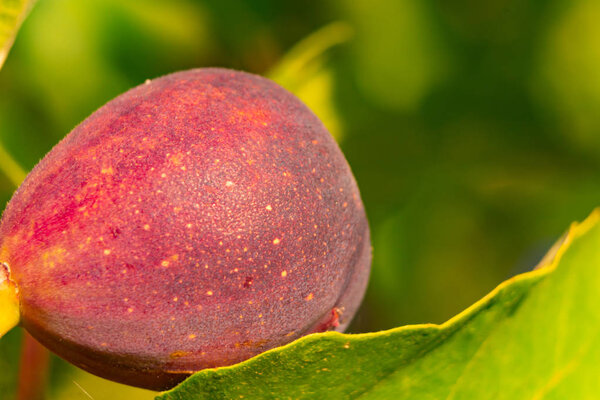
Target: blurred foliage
472,127
12,14
9,356
303,71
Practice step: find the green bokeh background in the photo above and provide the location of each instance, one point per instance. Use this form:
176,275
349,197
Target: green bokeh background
473,128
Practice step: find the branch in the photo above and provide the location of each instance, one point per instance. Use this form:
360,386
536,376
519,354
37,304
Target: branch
33,371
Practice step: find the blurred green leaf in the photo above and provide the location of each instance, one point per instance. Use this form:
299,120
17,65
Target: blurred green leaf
72,383
9,359
567,79
12,14
303,71
534,336
308,54
10,168
400,55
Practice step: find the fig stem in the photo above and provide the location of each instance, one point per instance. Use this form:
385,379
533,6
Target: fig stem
33,371
9,302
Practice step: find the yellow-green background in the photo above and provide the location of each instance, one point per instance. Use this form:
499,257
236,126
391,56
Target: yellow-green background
473,128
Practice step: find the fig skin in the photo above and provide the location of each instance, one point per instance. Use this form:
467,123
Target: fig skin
195,221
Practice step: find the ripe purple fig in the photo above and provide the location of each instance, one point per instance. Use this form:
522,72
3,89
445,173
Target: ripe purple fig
195,221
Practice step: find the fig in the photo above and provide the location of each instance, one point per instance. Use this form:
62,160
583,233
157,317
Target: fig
195,221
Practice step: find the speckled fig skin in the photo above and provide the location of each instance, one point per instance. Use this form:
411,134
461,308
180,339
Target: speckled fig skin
195,221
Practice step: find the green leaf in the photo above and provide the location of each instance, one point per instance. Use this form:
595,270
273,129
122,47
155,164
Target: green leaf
535,336
70,382
10,168
303,70
10,350
12,14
